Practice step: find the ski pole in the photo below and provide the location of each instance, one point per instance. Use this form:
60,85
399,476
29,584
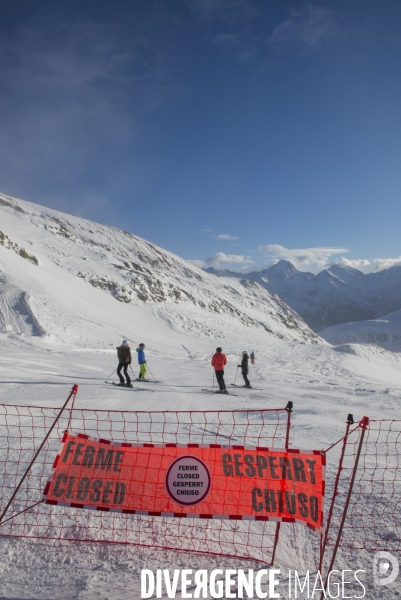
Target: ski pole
235,379
133,374
110,374
151,372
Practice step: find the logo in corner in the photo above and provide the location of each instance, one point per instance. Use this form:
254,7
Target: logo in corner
382,573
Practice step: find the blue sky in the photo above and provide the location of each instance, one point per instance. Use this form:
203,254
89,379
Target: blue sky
230,132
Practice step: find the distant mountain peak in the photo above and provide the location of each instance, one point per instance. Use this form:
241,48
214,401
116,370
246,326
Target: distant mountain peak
348,275
336,268
284,264
284,267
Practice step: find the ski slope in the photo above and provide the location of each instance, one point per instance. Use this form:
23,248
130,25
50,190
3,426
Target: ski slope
324,385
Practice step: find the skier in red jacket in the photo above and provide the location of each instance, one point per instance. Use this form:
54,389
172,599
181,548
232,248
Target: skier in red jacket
219,361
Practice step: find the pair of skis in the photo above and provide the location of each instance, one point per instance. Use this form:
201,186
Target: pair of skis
131,386
245,387
226,393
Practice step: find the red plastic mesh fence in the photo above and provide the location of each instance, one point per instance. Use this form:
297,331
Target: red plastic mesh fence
22,429
373,520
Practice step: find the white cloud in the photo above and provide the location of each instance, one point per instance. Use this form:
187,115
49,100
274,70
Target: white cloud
226,236
386,263
306,26
207,230
220,258
357,263
302,258
197,263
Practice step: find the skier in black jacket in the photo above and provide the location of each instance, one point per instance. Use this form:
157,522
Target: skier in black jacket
124,360
245,368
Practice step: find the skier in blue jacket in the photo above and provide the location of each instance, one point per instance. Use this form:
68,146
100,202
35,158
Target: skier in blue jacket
141,361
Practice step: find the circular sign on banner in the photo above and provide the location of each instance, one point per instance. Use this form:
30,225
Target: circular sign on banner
188,480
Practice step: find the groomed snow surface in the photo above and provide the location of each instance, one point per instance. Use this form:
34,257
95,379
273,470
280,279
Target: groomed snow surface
57,329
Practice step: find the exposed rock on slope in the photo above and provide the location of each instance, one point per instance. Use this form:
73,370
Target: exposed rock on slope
7,243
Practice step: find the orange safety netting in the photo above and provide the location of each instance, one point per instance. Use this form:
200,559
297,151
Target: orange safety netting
23,428
373,518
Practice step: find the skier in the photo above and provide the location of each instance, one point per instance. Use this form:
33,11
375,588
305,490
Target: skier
124,359
219,360
141,361
252,358
245,368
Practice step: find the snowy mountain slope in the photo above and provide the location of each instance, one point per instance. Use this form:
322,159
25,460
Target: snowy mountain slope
384,332
327,300
72,265
384,290
348,275
343,294
335,295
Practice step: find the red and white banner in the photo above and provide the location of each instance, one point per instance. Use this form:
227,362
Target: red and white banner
193,480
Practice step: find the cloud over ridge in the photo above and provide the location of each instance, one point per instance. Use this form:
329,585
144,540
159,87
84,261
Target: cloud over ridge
301,258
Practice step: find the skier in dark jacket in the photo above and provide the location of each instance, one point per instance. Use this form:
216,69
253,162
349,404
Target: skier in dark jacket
124,359
245,368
